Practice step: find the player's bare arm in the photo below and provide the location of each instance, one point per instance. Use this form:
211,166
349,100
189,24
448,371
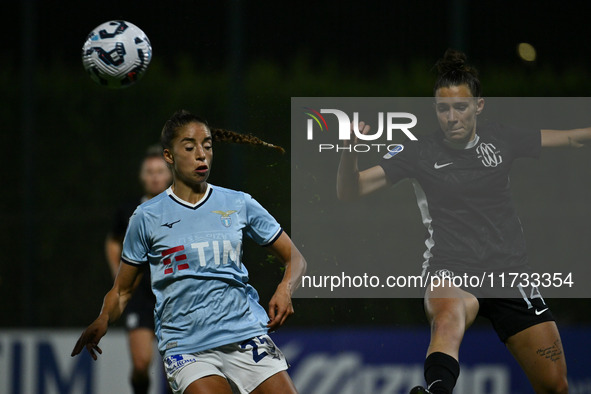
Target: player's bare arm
113,305
280,306
574,138
352,183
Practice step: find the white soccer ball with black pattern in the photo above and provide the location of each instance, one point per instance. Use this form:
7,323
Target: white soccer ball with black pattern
116,54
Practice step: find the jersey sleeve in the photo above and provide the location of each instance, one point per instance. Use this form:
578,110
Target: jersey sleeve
261,226
398,166
522,142
136,245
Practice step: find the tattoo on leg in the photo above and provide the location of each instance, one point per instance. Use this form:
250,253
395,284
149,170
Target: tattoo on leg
552,353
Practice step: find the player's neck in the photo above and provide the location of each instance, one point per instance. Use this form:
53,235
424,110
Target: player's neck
189,193
463,145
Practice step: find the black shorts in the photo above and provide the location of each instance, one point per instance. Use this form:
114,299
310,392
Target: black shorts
139,312
512,315
518,309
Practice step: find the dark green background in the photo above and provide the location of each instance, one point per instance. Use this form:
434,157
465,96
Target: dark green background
87,141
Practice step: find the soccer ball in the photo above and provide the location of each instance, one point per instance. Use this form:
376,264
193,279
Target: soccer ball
116,54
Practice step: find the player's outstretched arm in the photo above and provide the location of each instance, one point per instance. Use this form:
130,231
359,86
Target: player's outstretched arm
113,305
352,183
574,138
280,306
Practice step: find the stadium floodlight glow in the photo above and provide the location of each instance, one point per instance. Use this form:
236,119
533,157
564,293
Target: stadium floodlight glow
526,52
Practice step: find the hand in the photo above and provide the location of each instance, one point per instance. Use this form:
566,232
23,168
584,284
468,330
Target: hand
363,128
280,307
91,337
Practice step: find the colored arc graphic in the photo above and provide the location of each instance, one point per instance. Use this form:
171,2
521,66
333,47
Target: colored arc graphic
316,118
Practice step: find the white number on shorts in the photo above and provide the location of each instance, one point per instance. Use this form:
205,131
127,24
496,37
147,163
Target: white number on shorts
535,293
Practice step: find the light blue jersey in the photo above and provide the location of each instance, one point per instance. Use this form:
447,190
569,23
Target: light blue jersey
195,254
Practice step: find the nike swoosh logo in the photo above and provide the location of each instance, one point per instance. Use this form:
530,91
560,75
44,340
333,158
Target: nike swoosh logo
432,383
438,166
538,313
169,225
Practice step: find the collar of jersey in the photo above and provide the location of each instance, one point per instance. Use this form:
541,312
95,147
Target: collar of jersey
459,146
184,203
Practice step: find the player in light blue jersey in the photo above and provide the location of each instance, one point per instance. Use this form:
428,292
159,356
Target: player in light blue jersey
211,329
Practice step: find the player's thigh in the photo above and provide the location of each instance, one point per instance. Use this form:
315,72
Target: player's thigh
200,372
212,384
446,304
141,344
278,383
538,349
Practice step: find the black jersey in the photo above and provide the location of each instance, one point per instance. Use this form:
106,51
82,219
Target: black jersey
465,199
121,219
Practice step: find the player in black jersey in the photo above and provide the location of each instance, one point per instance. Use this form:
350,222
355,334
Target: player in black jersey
155,177
460,177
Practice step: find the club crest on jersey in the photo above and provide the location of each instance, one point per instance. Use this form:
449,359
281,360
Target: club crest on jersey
225,217
489,155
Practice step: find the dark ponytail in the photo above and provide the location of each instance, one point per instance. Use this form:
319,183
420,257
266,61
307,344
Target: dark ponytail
237,138
181,118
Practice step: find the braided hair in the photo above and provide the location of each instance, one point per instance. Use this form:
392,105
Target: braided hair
182,118
452,70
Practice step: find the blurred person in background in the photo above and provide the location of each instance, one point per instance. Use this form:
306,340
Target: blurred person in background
155,177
